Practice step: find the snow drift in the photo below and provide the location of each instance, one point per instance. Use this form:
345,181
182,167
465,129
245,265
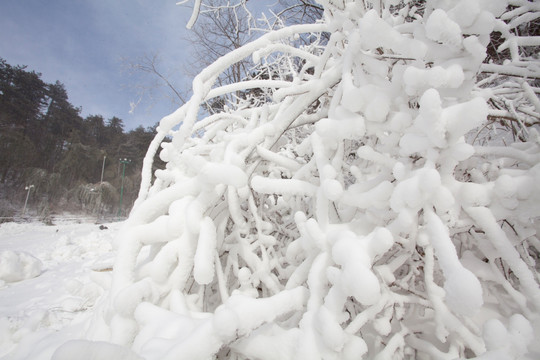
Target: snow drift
17,266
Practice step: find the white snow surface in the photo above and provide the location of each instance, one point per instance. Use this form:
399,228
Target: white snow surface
52,276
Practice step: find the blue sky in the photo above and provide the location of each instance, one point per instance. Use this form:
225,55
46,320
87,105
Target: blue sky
82,44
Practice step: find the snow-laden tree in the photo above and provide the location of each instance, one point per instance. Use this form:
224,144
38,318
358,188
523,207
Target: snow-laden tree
348,215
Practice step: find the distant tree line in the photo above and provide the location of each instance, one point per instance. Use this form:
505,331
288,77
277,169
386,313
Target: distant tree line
46,142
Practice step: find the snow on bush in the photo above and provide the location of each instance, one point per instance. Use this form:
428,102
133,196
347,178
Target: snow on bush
18,266
345,216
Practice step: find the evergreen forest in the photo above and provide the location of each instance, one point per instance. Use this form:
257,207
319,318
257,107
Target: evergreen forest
54,160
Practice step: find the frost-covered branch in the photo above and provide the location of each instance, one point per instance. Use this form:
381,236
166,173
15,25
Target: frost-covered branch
336,209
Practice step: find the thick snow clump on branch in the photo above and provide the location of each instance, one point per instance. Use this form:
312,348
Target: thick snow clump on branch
343,215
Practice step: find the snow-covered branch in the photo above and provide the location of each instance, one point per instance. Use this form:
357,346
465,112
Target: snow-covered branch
338,211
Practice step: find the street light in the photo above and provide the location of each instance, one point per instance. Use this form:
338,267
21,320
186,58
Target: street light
123,161
102,169
27,195
101,187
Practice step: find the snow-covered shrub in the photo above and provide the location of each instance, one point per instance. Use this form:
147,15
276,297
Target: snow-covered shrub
346,218
95,198
510,75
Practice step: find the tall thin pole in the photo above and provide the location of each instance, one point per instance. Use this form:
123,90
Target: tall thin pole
123,162
27,195
102,169
101,187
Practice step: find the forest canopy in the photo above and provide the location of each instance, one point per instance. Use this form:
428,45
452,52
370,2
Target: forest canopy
46,142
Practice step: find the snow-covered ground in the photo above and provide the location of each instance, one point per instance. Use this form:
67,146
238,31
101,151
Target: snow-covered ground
47,282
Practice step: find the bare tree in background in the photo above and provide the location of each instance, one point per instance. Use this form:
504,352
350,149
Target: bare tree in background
221,28
299,11
151,64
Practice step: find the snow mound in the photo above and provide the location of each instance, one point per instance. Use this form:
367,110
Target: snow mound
72,246
17,266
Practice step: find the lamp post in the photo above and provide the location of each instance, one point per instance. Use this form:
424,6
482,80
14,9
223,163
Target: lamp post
27,195
101,187
103,168
123,161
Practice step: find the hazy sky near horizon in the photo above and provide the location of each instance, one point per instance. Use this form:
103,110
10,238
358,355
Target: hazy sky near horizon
86,45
